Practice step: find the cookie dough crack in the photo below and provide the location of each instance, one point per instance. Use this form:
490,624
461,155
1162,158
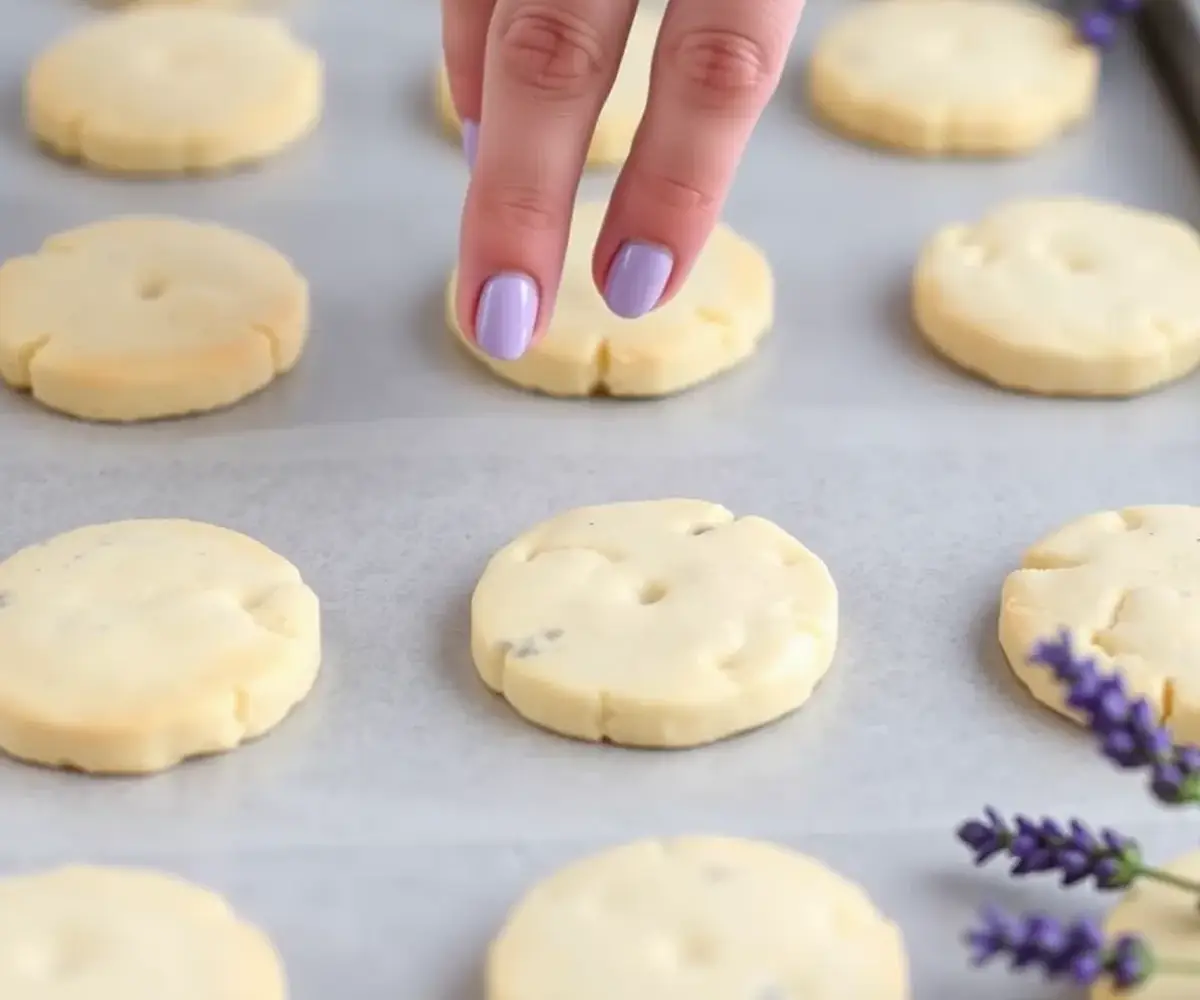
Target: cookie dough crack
601,366
273,344
26,355
1102,637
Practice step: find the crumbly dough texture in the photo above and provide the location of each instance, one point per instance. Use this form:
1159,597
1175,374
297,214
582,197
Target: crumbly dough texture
713,324
697,918
127,647
166,89
1064,297
952,77
1126,584
663,623
1167,919
140,318
622,112
84,933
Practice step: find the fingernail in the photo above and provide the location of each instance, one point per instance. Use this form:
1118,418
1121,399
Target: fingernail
507,310
636,279
470,138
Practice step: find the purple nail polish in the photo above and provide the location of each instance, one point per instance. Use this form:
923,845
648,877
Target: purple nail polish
470,138
636,279
507,310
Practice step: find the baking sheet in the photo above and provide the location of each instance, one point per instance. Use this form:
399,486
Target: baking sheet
381,832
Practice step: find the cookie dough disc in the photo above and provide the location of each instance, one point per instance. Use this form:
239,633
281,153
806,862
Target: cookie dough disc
952,77
1127,585
658,624
136,319
714,323
169,89
119,934
1065,297
622,112
127,647
1167,919
697,918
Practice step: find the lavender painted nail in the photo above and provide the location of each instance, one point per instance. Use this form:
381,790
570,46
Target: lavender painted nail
636,279
470,138
507,310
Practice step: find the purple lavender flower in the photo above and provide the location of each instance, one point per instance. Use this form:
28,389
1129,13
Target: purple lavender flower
1110,860
1097,28
1130,735
1077,951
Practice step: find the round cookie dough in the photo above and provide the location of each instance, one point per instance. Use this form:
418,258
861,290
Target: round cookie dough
713,324
952,77
622,112
663,623
140,318
1167,919
126,934
697,918
170,89
1126,584
1064,297
127,647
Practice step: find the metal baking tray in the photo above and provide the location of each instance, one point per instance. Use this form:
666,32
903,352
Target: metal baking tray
380,834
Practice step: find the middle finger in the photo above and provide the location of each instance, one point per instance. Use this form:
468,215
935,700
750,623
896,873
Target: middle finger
548,71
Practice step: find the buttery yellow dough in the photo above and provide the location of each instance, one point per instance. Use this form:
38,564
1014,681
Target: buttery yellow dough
622,112
952,77
169,89
1169,921
1126,584
127,647
139,318
84,933
658,624
1064,297
697,918
714,323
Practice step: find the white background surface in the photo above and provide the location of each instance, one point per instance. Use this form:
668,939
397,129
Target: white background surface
381,833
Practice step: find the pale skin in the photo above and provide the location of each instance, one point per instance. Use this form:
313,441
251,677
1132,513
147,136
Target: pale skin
528,79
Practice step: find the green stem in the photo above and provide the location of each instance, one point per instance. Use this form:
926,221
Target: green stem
1177,967
1166,878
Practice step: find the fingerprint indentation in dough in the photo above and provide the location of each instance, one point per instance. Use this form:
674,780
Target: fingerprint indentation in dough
651,592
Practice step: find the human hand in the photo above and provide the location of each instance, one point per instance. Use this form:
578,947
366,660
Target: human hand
549,65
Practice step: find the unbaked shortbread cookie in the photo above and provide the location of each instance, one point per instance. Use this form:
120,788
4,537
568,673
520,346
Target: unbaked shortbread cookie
1064,297
714,323
139,318
1126,584
169,89
697,918
1167,919
952,77
127,647
125,934
665,623
622,112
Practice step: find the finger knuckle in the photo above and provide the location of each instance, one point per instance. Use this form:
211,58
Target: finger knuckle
724,70
518,209
551,52
676,194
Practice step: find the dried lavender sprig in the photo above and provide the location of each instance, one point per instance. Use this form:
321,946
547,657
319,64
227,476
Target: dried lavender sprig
1097,26
1110,860
1130,735
1077,951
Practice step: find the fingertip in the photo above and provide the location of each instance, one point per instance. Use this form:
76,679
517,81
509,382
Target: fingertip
637,277
470,141
506,315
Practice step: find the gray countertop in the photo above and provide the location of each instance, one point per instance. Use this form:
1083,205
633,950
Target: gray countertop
381,832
